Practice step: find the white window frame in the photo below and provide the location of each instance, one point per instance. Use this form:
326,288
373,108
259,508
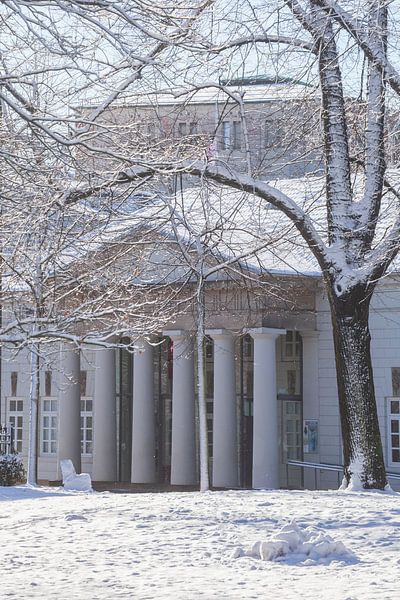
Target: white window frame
392,417
85,415
12,417
49,415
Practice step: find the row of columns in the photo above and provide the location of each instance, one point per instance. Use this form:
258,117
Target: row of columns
183,451
104,413
225,455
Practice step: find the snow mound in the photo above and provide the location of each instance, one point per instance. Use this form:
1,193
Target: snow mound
307,545
74,517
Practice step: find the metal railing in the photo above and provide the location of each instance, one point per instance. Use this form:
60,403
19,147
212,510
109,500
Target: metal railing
7,439
326,467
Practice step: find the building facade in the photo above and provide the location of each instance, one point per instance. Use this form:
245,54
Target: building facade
271,396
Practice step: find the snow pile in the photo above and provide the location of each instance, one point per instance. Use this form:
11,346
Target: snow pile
306,545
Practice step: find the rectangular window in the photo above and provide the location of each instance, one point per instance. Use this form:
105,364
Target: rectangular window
248,347
236,135
182,129
292,344
226,135
231,135
47,383
83,383
14,383
86,426
292,430
291,381
394,431
193,128
16,420
49,426
396,381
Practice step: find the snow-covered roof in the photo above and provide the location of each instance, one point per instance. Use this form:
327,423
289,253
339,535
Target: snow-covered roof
212,93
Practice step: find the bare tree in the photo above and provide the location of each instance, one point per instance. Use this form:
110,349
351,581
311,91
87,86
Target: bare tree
198,48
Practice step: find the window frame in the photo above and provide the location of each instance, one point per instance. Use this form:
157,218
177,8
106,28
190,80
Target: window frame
51,414
86,414
16,414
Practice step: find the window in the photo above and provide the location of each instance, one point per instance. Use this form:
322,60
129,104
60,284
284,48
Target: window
291,382
292,430
248,347
396,381
47,383
83,382
236,135
14,383
182,129
16,420
394,431
292,344
86,426
49,426
193,128
231,135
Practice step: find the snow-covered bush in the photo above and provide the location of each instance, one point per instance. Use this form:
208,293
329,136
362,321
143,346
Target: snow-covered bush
11,469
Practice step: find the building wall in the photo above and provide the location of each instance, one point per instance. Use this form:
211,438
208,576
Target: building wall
385,348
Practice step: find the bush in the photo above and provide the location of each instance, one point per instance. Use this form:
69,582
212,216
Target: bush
11,469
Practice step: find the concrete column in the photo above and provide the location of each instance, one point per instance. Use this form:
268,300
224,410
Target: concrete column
104,421
225,451
265,409
183,442
69,410
143,425
310,397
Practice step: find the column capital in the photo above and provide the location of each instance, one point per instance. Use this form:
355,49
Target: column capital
265,332
217,333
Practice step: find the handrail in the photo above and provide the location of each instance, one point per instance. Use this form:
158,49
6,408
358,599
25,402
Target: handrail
329,467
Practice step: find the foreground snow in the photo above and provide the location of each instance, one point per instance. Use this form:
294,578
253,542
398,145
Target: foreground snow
225,546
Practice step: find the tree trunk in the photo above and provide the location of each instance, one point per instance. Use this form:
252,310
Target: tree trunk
362,446
34,395
201,395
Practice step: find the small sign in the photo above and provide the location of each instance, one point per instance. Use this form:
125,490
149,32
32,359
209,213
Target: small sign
310,435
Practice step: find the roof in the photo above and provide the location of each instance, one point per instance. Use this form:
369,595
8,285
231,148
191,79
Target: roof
212,92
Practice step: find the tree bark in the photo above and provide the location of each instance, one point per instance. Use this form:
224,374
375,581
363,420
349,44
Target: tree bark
362,446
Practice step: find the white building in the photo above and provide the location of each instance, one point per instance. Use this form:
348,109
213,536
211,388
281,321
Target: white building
269,373
270,386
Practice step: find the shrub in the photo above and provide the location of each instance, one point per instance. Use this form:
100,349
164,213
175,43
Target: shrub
11,469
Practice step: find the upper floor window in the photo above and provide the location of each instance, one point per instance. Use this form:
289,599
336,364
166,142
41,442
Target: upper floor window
187,128
47,383
14,383
396,381
231,135
182,129
83,383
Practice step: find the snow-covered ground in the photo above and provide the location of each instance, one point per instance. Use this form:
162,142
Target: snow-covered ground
233,545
